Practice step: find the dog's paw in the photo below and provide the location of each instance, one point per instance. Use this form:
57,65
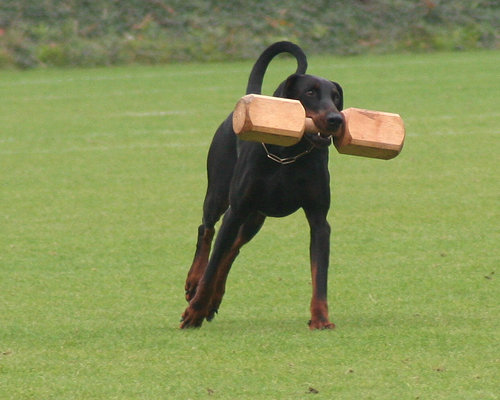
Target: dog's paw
211,314
191,318
320,324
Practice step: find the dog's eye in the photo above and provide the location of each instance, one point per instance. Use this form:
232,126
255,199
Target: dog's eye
310,92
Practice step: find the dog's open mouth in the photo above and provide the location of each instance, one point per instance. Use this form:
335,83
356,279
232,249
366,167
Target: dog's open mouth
319,140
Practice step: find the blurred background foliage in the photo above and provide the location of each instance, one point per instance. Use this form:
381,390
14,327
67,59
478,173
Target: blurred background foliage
60,33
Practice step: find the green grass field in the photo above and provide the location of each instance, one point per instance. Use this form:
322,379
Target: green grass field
102,175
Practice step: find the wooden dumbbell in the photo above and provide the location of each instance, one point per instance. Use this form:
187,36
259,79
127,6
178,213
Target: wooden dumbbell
283,122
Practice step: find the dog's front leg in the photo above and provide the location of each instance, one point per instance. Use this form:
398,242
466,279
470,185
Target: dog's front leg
319,254
201,305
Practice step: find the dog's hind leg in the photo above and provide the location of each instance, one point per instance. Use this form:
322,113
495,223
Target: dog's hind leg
214,206
199,305
203,245
234,233
220,165
246,232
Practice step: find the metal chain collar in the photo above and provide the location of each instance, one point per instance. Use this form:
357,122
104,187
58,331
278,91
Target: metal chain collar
287,160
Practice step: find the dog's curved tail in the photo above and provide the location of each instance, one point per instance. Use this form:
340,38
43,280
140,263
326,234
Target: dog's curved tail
259,69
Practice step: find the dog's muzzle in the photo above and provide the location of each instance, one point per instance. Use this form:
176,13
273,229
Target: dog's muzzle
334,121
321,134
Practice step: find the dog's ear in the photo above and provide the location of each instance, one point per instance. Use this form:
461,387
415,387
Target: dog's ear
340,104
285,87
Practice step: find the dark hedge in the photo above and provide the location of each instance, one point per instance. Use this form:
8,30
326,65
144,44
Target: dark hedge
88,33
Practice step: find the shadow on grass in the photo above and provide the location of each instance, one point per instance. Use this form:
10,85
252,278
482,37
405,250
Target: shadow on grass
345,324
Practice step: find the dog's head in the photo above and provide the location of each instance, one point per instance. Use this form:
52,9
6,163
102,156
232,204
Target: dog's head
322,99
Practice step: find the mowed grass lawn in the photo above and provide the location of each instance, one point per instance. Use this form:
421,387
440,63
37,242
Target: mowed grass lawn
102,175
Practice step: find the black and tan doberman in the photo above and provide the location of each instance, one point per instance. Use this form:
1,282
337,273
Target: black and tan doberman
248,182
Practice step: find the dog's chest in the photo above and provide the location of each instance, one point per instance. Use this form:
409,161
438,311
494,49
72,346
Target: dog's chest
282,193
279,201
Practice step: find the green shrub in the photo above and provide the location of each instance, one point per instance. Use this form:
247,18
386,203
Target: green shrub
5,58
52,54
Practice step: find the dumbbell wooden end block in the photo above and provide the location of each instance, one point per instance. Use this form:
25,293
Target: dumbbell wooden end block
268,119
374,134
283,122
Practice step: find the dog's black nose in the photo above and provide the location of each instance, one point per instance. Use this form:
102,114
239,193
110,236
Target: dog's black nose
334,120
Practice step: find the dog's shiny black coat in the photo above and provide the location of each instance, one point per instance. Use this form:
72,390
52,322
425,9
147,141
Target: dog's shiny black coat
247,186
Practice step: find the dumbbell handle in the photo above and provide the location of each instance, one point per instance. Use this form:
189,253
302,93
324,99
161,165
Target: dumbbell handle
310,127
